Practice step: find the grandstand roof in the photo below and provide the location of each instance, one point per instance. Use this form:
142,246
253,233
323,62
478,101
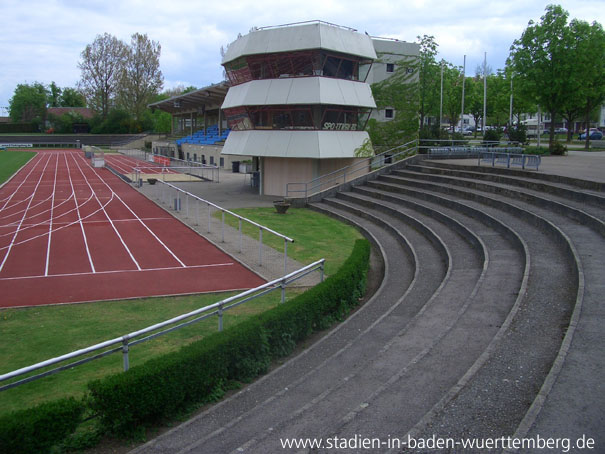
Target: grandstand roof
198,101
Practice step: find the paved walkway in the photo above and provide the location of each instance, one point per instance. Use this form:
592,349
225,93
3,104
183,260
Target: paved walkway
586,165
233,191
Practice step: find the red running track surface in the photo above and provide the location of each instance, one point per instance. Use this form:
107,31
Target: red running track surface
70,233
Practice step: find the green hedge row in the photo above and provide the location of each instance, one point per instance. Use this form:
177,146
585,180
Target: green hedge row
198,373
37,429
202,371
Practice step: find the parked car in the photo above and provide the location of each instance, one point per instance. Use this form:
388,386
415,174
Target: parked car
594,134
561,131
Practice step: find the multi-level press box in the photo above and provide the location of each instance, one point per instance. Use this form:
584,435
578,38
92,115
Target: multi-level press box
299,100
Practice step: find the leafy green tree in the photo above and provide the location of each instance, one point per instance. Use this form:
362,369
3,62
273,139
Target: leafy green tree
70,97
141,78
28,103
452,93
542,57
399,92
588,73
101,71
428,78
54,95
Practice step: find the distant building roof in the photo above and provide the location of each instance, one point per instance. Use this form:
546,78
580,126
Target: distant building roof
5,119
58,111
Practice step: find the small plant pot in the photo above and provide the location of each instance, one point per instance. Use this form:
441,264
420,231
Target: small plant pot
152,180
281,207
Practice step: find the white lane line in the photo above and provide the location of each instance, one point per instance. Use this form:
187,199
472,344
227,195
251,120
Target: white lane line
106,214
140,220
87,273
50,220
10,247
73,191
35,161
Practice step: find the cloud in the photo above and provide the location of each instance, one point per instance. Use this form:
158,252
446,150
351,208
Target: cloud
41,40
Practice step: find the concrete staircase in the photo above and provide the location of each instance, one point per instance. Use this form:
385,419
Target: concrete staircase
488,322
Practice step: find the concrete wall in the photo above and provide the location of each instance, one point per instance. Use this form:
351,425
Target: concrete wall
277,172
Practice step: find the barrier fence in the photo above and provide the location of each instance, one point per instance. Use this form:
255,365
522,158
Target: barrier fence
227,225
127,341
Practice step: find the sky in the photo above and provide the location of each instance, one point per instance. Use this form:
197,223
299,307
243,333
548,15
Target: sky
41,40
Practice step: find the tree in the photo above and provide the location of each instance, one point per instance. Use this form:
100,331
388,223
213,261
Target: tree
141,78
70,97
54,95
399,92
428,74
588,73
101,70
543,58
452,93
28,103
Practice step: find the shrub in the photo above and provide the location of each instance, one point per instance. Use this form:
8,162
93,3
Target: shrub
202,371
37,429
558,149
491,137
518,133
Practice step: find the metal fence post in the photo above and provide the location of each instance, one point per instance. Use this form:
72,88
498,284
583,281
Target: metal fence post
321,272
260,246
240,235
220,318
223,226
209,218
285,256
283,291
125,349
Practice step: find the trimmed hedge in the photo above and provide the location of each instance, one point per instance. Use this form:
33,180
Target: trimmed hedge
202,371
37,429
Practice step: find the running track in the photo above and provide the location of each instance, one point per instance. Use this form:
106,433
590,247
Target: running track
70,233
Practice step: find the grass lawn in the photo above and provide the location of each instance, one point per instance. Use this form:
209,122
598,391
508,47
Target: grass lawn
34,334
11,161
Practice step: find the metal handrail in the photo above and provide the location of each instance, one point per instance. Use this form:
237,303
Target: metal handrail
127,341
348,170
229,212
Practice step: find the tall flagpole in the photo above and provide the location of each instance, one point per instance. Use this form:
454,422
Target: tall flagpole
484,89
463,77
510,112
441,98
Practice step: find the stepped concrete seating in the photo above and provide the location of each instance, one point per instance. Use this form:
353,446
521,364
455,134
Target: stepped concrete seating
488,321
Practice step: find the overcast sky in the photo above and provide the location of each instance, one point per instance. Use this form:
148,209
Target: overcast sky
41,40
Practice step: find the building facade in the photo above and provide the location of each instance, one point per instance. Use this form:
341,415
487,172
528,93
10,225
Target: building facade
299,100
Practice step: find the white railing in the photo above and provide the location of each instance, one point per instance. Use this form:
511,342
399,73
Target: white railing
125,342
210,215
348,173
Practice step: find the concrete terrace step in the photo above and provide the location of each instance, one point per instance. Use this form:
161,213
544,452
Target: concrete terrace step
593,186
565,191
566,384
248,417
488,322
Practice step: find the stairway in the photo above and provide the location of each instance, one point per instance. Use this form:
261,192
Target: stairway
487,322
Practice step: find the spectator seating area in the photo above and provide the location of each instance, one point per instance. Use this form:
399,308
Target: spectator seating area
210,138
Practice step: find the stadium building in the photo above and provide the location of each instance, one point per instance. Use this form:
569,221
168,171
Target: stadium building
296,103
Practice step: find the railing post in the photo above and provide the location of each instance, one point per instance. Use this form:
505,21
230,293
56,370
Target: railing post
209,218
260,246
285,256
220,317
223,226
125,349
240,235
283,291
321,272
